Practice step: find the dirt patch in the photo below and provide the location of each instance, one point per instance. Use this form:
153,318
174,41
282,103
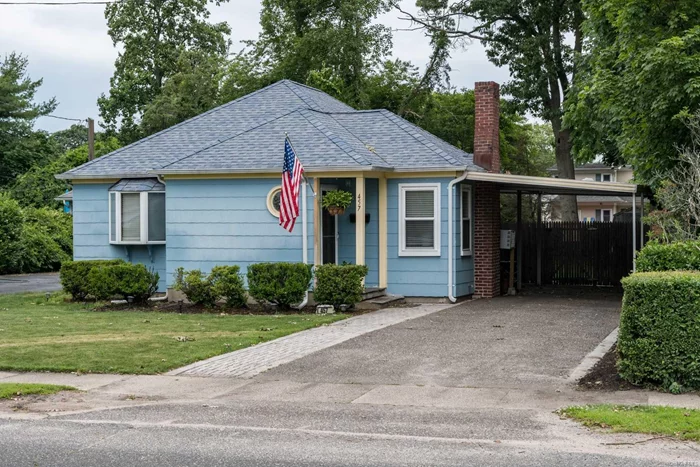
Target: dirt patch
604,376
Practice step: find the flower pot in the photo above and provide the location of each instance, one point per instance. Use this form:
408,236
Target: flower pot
335,210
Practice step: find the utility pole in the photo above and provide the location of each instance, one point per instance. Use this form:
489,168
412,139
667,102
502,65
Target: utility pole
91,139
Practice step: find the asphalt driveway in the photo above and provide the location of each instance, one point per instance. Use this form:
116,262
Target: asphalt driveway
509,342
41,282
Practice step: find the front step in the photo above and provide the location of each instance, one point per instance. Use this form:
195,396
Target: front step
373,292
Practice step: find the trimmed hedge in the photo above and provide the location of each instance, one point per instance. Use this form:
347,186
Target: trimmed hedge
227,283
659,340
339,284
284,284
122,280
679,256
223,282
74,275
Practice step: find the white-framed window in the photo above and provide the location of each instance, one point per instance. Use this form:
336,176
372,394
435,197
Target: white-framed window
136,217
603,177
466,232
419,219
603,215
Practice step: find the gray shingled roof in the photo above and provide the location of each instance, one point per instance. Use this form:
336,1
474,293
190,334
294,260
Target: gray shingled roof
138,185
248,135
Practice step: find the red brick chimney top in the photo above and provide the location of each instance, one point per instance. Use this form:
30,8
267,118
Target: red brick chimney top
486,134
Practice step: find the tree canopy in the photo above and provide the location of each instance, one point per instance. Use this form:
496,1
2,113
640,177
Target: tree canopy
153,34
639,75
20,146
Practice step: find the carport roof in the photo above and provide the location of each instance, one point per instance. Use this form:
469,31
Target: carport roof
553,186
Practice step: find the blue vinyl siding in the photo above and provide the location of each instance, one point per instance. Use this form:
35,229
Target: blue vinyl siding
212,222
91,232
425,276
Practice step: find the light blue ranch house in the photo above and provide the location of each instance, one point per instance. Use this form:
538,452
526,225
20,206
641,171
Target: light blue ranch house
425,216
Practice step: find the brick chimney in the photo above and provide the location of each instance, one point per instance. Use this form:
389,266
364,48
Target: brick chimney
486,137
487,219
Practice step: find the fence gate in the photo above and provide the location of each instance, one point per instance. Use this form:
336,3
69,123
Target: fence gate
577,253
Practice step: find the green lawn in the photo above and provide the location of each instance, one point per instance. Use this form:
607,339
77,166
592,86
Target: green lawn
653,420
53,335
11,390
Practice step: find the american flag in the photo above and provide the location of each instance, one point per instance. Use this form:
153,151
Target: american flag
292,171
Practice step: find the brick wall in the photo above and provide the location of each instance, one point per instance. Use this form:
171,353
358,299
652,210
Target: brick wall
486,138
487,239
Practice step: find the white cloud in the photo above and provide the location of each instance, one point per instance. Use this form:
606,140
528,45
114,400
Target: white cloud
69,47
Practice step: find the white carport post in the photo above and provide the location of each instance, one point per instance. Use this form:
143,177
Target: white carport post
634,232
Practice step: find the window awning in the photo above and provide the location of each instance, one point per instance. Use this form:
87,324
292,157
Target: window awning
138,185
553,186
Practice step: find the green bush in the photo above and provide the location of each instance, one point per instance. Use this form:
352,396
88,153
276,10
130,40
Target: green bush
227,283
74,275
679,256
122,280
659,340
33,240
339,284
284,284
196,286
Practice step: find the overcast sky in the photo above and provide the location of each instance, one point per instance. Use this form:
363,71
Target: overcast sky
69,48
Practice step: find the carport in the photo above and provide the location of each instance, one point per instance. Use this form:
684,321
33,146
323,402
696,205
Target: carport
520,185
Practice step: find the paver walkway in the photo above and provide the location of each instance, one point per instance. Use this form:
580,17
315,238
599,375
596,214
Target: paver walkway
251,361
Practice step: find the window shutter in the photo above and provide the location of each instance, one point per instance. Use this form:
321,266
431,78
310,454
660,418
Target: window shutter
131,217
156,217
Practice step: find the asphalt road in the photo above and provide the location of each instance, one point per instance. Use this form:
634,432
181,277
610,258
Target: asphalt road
42,282
249,433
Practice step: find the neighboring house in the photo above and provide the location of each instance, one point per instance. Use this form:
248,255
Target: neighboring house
598,208
206,192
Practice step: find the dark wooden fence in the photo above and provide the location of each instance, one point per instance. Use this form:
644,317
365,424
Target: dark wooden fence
577,253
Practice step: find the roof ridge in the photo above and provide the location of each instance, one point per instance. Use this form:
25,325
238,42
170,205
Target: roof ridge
349,152
220,141
287,80
191,119
435,149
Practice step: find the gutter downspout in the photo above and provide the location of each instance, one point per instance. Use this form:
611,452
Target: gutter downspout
164,298
304,240
450,235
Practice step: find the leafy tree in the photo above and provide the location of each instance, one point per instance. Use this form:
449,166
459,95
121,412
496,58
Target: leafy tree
20,145
531,38
38,186
303,36
70,138
639,74
153,35
192,90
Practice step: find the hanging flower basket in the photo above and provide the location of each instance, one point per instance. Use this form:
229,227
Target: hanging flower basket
335,210
336,201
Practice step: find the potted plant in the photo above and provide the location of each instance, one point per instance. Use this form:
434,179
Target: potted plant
336,201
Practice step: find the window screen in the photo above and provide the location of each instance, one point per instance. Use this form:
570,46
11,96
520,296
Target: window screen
131,217
112,217
156,217
466,204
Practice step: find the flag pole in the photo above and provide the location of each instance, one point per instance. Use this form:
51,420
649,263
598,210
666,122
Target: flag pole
286,135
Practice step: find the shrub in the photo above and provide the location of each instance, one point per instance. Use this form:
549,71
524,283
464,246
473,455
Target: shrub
196,286
659,340
227,283
284,284
339,284
74,275
679,256
122,280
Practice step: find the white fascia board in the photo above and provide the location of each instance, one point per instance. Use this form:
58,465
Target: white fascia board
546,182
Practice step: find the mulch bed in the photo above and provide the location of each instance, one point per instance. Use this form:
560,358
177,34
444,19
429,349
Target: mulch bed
604,377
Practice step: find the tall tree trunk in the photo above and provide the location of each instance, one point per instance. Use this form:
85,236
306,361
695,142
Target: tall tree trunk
565,167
